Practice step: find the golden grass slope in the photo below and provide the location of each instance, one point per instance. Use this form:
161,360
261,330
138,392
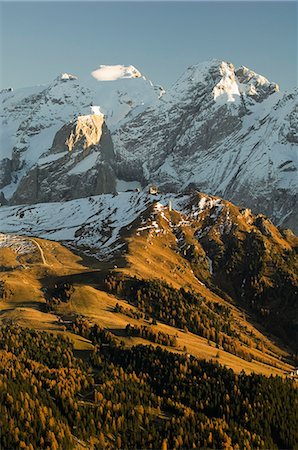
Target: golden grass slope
149,255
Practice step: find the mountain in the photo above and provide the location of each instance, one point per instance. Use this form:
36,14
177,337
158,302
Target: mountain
77,165
224,131
185,240
142,316
32,117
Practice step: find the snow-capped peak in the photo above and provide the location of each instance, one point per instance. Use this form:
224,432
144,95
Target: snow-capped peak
255,85
227,89
115,72
250,75
214,77
67,76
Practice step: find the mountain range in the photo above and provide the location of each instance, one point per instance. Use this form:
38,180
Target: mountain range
148,282
221,130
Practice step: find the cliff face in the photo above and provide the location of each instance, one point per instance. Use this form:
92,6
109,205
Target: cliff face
77,165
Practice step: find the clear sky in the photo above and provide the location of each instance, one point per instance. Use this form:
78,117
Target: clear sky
41,39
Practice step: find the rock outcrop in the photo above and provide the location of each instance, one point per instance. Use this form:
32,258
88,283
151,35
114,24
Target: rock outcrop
79,164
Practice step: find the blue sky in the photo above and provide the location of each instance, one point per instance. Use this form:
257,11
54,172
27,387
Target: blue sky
41,39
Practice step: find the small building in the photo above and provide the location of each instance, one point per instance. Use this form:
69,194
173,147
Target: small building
153,190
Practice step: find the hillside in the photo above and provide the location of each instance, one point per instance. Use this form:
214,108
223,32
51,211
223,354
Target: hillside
138,330
159,251
143,397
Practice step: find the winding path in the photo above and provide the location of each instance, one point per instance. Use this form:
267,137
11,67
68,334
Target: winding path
41,252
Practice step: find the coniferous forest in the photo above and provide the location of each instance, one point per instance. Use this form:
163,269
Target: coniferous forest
139,397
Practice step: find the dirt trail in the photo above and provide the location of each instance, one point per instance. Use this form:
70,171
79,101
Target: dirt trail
41,252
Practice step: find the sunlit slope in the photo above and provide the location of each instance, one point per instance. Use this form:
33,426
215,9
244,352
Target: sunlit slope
48,292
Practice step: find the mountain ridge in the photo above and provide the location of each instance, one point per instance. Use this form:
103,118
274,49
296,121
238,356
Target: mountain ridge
225,131
194,239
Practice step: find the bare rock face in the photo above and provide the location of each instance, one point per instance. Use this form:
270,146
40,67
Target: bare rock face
79,164
85,132
5,172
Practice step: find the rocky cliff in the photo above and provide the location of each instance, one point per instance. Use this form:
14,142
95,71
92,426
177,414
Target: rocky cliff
77,165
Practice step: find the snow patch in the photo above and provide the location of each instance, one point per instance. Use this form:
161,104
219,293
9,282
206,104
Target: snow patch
50,158
111,73
86,164
67,76
19,244
96,110
122,185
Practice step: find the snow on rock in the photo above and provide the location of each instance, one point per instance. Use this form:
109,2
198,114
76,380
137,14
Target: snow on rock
122,185
19,244
116,72
94,222
227,89
67,76
30,117
84,165
158,207
96,110
99,224
78,163
254,85
225,131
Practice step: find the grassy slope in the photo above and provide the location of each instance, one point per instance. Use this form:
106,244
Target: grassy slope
24,300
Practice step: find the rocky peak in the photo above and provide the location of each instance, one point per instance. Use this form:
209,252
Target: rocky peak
211,132
227,89
223,83
78,164
66,77
254,85
85,132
